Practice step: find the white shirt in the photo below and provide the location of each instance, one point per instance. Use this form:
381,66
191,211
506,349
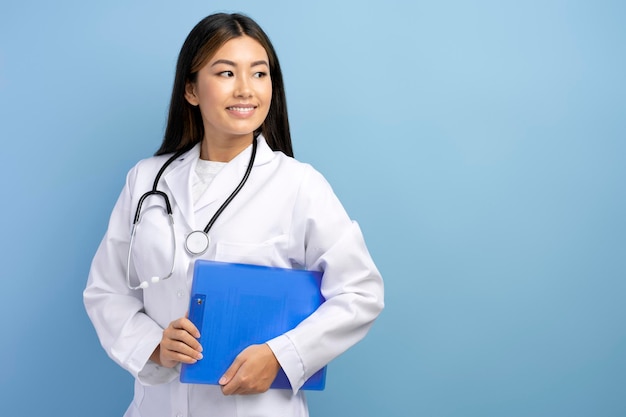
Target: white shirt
205,172
286,215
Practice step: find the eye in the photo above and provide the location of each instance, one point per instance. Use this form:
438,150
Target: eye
226,74
260,74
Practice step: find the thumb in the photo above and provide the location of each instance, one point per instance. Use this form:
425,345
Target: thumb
231,371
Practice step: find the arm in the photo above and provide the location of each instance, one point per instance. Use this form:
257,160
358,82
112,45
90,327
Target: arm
352,285
129,335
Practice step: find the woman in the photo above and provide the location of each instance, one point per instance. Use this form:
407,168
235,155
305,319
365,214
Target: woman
226,166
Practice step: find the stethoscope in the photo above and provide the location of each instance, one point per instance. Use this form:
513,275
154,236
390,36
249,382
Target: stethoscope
196,242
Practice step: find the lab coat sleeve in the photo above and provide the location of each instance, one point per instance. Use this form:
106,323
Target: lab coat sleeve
351,284
126,333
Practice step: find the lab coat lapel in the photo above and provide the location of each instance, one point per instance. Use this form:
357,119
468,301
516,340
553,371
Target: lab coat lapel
178,180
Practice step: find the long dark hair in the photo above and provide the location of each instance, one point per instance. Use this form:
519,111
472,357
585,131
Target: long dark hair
184,123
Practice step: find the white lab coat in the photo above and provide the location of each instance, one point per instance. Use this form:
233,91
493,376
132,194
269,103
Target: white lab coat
286,215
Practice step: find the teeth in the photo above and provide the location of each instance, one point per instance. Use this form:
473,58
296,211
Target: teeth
242,108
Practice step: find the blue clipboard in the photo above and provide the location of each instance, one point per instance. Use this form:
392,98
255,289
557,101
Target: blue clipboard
237,305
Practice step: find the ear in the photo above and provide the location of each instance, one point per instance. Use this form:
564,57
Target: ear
190,94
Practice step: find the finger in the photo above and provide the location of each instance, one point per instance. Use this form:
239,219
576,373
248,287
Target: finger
185,331
185,324
252,372
175,349
183,336
228,382
178,344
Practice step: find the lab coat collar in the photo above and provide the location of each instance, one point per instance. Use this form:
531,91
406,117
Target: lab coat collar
180,178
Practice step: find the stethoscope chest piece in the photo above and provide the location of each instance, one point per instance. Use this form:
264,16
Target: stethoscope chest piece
197,242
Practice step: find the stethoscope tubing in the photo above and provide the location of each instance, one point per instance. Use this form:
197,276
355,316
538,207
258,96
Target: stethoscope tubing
154,279
168,210
236,191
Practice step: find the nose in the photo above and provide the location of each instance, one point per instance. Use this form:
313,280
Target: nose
243,88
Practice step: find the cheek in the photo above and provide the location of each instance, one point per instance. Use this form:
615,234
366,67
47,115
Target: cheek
208,99
269,92
267,98
211,94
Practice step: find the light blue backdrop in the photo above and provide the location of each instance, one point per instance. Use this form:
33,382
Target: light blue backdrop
481,146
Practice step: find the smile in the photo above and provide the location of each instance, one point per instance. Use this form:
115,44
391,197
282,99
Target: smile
241,109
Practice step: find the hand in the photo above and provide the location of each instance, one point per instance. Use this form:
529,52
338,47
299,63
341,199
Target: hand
178,344
252,371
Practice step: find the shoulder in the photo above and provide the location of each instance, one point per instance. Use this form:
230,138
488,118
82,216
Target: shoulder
146,169
304,179
150,164
301,172
283,167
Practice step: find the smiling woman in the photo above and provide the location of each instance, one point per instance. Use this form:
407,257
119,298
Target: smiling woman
227,159
233,91
185,125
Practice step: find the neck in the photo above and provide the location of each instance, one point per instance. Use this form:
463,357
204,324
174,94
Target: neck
223,150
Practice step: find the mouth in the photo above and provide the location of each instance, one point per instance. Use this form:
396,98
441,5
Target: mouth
241,109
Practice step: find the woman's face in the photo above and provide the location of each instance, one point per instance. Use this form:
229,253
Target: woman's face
233,91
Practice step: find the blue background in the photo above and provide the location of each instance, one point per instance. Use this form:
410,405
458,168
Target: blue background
480,145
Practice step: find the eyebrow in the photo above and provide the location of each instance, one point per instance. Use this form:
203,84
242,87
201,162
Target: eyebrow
232,64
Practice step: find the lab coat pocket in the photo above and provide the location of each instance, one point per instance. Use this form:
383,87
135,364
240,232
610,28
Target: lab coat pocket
272,252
